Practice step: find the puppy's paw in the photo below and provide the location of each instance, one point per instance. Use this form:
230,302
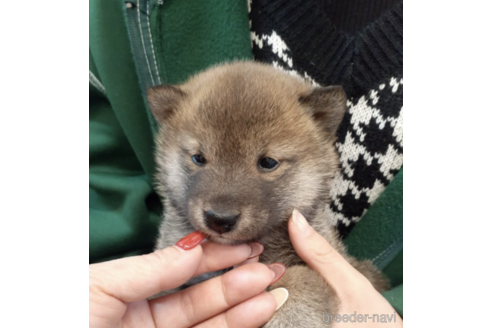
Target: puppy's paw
310,300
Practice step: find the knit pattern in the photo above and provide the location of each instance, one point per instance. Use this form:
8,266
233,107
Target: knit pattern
295,36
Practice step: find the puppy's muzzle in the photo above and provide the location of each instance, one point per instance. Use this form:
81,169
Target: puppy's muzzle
220,223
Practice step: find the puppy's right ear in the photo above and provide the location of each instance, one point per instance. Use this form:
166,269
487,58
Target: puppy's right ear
163,100
327,106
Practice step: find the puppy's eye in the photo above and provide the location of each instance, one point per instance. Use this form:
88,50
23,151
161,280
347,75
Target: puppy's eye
267,163
198,159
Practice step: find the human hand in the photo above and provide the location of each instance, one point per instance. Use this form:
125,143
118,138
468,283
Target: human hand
118,290
355,292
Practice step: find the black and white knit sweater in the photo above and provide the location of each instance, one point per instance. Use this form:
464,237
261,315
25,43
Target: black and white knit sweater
327,44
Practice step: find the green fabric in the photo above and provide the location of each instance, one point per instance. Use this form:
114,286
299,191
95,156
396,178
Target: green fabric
395,298
109,46
189,36
394,270
137,18
123,208
379,235
119,218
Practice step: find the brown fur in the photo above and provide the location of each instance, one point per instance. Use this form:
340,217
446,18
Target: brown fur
234,115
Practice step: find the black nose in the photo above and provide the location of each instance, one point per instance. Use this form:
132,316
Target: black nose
220,223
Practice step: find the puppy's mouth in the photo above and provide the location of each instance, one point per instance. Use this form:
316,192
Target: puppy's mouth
226,240
236,237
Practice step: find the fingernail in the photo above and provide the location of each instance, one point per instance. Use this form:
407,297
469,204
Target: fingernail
301,223
191,241
278,270
256,250
281,295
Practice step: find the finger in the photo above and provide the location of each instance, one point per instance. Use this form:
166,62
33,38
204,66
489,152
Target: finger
146,275
320,255
139,277
255,255
218,257
253,260
115,283
214,296
252,313
137,315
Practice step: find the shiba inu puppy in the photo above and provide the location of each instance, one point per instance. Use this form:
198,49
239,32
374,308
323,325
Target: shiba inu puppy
240,146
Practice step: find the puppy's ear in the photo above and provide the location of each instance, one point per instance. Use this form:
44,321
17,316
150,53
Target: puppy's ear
164,99
327,105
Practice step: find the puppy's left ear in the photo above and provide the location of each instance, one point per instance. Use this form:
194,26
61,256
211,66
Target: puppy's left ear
327,105
164,100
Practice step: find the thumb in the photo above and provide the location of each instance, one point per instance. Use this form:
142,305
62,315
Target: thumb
320,255
135,278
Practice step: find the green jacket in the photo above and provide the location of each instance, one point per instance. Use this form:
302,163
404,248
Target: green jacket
137,44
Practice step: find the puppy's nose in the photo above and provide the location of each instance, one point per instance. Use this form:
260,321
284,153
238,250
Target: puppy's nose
220,223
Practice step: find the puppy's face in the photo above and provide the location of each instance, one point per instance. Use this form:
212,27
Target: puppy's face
241,145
